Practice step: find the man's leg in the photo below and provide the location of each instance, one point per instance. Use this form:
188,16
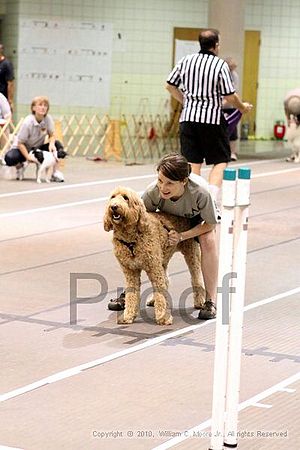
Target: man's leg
189,143
196,168
233,149
215,179
216,174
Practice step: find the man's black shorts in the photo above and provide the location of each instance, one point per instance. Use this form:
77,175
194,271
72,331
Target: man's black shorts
201,141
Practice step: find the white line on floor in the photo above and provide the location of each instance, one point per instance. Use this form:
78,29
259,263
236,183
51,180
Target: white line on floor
101,199
49,208
4,447
291,391
248,403
113,180
271,299
261,405
77,185
149,343
275,172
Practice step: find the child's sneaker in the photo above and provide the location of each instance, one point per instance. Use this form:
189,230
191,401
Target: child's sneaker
117,304
208,311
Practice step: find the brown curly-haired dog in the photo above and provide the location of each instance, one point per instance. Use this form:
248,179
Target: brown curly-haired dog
141,243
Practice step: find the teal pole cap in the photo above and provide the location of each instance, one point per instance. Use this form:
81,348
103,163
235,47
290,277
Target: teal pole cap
229,174
244,173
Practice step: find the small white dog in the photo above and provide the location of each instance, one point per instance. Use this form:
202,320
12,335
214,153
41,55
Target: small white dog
293,137
45,165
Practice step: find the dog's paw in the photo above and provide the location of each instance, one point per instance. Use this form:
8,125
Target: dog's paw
199,301
167,320
39,181
47,180
199,297
122,320
198,306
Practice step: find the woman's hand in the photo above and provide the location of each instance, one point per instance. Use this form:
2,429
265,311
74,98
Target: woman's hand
52,147
174,237
30,159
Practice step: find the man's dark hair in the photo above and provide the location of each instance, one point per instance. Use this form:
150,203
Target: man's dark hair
208,39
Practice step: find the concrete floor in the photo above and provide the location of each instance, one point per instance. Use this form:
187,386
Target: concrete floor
97,385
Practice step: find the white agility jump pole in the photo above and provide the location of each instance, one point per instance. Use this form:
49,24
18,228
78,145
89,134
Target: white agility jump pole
230,304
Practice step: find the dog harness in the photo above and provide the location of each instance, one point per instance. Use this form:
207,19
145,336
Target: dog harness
129,245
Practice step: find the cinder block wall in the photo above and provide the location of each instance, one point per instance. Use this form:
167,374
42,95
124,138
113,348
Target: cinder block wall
279,66
143,44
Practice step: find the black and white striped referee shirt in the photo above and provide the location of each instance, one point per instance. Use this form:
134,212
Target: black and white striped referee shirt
203,78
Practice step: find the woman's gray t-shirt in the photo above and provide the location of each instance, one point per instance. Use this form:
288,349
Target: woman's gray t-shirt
195,201
33,133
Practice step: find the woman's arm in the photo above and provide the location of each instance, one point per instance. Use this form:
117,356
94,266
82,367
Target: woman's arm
202,228
25,153
51,142
10,93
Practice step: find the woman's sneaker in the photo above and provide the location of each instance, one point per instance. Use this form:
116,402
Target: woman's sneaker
117,304
58,177
208,311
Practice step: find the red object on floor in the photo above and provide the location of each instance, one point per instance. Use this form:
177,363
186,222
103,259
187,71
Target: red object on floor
279,130
151,133
95,158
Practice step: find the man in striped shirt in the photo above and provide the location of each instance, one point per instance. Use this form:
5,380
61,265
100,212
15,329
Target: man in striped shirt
198,82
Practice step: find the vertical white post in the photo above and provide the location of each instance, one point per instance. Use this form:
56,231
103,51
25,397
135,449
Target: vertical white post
237,306
222,322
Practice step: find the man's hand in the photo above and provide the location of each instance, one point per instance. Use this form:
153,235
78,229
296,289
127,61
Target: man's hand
247,107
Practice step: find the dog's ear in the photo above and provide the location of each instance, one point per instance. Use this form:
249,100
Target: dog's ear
107,221
140,211
142,224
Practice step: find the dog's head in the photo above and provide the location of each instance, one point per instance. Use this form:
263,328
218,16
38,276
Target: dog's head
124,209
61,153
